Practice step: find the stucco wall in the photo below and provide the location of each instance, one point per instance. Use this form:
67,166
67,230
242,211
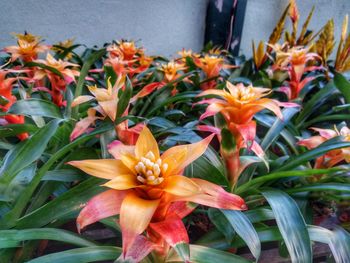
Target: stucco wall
262,16
163,26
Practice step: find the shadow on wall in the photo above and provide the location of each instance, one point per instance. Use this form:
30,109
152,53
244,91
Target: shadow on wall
163,26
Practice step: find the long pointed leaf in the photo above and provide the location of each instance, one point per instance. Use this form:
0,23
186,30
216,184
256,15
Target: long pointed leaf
291,224
81,255
13,238
36,107
244,228
26,152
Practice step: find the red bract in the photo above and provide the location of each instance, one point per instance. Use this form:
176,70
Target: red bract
58,83
6,85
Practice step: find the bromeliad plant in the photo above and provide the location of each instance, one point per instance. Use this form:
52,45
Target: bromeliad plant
150,193
191,159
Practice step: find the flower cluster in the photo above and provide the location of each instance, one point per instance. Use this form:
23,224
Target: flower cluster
168,138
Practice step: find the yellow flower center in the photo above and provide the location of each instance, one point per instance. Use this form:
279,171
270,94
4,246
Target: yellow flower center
149,170
244,94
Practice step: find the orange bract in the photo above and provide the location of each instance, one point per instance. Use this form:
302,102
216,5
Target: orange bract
150,183
333,157
238,104
28,47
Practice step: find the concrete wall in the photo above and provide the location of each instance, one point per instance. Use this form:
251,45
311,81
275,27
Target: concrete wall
262,16
163,26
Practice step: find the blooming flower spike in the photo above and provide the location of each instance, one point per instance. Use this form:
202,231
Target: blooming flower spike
148,188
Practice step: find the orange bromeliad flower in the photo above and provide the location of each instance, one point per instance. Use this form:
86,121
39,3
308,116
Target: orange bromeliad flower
238,104
107,100
333,157
126,58
149,193
58,84
187,54
171,73
65,44
294,61
126,50
211,66
28,47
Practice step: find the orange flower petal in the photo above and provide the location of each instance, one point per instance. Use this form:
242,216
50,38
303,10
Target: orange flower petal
325,133
268,104
135,215
118,149
110,108
129,161
122,182
180,185
174,232
81,127
312,142
217,92
147,90
103,205
81,99
103,168
215,196
146,143
139,249
181,209
179,157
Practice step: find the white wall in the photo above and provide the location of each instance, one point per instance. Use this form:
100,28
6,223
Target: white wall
262,16
163,26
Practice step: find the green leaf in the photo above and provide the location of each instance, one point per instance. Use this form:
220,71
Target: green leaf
337,240
285,174
343,85
335,187
221,223
83,73
36,107
15,129
26,152
10,219
208,167
291,225
327,118
275,130
206,255
124,98
259,214
244,228
13,238
183,250
335,143
184,96
63,206
110,74
3,100
81,255
43,66
228,142
315,102
63,175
